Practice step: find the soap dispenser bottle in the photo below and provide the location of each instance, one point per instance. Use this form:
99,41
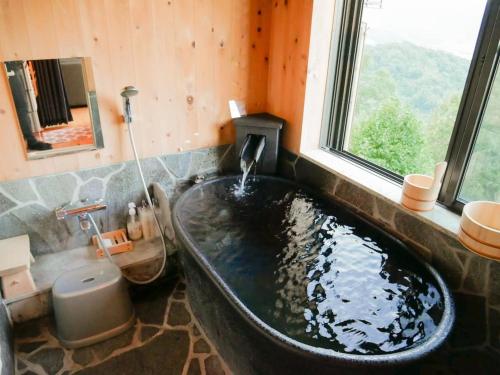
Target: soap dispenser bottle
134,227
145,219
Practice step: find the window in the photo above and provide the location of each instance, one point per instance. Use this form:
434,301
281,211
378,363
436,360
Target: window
411,83
482,176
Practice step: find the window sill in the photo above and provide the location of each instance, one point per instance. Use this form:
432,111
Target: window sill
440,217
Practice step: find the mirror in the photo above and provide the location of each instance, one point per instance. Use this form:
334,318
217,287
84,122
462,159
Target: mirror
56,105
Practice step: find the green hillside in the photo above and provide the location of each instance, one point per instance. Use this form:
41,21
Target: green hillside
406,104
425,78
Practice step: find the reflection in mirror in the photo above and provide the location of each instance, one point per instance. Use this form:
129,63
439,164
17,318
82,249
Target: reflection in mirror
56,105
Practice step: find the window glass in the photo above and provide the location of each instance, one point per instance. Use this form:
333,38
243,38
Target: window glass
482,178
412,64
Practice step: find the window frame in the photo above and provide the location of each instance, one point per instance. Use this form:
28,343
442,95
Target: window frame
338,95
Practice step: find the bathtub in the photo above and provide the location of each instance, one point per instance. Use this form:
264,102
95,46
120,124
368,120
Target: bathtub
286,281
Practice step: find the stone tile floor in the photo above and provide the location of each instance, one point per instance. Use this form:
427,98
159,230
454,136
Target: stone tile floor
166,339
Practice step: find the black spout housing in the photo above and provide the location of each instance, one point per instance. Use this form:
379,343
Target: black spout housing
253,128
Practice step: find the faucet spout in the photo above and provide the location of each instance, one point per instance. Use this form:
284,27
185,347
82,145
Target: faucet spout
260,148
252,148
82,210
250,154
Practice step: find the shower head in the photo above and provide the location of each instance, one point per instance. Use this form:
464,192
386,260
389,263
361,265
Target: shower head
126,94
129,91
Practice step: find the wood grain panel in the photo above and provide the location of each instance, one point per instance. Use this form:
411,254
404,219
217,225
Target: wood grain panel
187,57
289,46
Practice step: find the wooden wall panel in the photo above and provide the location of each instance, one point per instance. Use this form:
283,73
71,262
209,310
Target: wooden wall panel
187,57
289,47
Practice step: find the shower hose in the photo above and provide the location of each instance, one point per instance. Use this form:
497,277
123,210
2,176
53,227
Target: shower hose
150,203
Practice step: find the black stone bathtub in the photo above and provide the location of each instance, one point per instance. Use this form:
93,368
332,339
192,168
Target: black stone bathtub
286,281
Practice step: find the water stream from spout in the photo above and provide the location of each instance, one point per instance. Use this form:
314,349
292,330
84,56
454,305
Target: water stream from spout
245,168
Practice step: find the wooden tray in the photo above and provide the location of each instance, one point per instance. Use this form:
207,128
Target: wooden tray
119,242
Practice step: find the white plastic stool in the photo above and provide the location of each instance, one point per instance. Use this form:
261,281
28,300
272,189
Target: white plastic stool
91,304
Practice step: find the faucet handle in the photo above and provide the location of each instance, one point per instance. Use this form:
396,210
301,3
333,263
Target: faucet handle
80,208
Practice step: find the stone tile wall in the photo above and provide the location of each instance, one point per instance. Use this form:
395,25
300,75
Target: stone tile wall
27,206
474,280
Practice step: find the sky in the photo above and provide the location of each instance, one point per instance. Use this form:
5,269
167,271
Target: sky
447,25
